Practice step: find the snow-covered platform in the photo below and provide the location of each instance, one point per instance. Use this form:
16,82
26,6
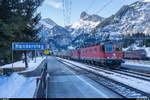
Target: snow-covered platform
17,85
20,66
64,83
137,64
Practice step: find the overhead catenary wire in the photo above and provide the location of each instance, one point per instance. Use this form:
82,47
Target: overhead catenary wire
70,8
63,2
67,4
91,4
103,7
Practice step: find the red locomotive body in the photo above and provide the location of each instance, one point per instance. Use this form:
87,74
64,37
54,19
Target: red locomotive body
108,54
93,52
104,53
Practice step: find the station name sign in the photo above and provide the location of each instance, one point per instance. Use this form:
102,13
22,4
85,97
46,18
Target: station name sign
29,46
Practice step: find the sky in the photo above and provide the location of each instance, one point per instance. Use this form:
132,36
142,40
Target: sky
53,9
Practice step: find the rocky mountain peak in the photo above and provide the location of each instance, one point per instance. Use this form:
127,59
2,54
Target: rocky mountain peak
83,15
88,17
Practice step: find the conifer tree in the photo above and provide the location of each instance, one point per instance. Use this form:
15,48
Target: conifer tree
18,20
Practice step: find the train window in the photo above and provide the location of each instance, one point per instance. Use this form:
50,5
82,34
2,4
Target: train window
86,51
109,48
83,51
95,49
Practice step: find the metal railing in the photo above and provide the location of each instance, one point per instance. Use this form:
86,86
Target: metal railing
41,89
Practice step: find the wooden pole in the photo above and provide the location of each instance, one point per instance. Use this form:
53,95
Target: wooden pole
26,62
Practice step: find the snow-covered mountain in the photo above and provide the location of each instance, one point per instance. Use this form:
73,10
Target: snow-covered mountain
145,0
85,24
55,35
80,30
130,19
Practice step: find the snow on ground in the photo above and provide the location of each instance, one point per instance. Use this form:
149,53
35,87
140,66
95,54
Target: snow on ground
32,65
133,82
145,0
139,64
17,86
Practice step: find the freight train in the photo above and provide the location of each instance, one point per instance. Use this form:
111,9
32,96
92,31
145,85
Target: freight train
108,53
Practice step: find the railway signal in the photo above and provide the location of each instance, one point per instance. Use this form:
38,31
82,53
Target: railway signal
46,52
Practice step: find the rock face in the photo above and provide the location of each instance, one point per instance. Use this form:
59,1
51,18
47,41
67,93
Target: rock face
85,24
80,30
57,36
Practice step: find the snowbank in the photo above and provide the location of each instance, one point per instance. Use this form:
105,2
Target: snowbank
32,65
133,63
145,0
17,86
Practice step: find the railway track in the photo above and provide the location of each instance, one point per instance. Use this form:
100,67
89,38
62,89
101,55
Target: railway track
135,74
138,75
117,87
137,71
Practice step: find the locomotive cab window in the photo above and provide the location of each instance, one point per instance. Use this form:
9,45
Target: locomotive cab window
109,48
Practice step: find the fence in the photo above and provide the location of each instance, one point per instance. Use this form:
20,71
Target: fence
41,90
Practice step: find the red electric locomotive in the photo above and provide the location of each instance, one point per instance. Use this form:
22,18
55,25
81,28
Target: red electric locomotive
105,53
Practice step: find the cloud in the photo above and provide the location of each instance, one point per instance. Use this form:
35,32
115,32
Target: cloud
54,3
